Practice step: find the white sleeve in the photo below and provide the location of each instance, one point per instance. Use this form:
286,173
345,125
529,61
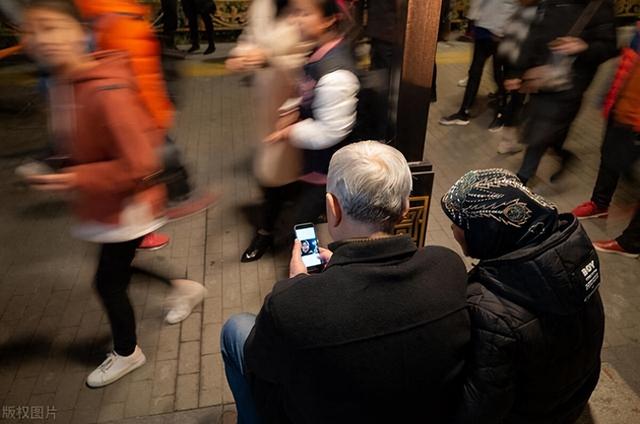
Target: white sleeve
334,109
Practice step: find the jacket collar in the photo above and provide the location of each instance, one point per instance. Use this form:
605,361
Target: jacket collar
371,250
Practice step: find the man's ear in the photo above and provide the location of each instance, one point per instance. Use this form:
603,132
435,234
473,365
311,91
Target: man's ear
405,208
334,210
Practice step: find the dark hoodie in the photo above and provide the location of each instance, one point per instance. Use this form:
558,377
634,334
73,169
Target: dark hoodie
537,331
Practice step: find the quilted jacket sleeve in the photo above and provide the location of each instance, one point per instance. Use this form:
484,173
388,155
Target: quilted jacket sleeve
489,389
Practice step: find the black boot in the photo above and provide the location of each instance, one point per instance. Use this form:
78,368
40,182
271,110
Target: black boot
194,48
210,49
258,247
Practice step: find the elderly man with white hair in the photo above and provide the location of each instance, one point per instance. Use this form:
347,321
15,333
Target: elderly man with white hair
379,336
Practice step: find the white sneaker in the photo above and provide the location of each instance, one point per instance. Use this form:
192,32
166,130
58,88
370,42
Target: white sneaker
186,294
115,367
509,142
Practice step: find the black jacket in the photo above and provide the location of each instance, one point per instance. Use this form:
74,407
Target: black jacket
378,337
537,330
555,19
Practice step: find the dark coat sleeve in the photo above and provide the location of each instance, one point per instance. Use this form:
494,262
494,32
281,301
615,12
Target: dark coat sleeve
600,35
266,358
489,388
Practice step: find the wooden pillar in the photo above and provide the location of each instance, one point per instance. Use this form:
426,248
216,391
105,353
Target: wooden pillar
412,73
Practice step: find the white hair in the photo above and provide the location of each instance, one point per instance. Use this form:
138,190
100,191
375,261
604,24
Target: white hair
372,182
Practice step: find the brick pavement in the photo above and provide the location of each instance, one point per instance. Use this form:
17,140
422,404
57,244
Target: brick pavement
53,330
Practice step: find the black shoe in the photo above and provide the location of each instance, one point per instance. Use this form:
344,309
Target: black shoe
566,158
210,49
497,124
194,48
459,118
522,179
258,247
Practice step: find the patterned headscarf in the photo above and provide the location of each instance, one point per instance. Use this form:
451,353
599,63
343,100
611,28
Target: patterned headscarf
498,213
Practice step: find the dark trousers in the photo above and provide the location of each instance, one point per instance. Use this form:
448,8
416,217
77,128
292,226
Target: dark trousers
111,282
192,11
169,20
513,109
630,238
616,156
483,49
548,120
308,203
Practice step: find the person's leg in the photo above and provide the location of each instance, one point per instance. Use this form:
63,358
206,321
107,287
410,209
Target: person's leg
169,22
208,26
608,173
233,336
482,49
630,238
274,198
310,203
191,12
111,282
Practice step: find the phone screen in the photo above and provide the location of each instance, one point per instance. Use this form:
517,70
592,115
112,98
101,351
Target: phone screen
309,241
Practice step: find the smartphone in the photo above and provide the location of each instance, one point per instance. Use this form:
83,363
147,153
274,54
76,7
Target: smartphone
306,233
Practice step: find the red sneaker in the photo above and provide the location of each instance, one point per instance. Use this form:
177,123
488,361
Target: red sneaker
154,241
612,246
589,210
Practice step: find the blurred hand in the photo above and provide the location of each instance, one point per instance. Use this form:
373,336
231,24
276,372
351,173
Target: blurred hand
255,58
277,136
513,84
296,266
235,64
569,46
287,120
64,181
533,78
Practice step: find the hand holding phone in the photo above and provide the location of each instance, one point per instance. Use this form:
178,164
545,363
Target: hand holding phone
309,249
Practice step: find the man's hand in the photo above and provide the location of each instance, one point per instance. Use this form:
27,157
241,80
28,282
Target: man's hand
64,181
296,266
568,46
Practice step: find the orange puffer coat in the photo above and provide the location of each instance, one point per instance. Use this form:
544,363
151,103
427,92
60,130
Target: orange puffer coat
121,25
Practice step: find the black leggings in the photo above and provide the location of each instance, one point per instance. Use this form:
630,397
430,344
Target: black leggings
483,49
111,282
309,203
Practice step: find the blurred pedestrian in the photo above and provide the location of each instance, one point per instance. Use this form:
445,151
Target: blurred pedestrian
110,173
620,150
272,50
319,124
556,67
194,9
537,320
490,18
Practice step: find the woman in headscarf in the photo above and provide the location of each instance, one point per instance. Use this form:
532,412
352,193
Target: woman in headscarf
537,317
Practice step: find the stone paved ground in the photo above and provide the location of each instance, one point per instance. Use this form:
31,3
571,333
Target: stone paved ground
53,330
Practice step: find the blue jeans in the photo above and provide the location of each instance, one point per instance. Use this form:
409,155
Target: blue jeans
232,339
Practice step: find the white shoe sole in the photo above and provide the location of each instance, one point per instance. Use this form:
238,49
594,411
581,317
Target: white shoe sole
509,150
598,215
615,252
457,122
119,375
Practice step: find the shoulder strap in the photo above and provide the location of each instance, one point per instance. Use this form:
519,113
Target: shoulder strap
585,18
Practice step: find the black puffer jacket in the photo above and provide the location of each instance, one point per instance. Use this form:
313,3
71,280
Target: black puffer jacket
537,330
